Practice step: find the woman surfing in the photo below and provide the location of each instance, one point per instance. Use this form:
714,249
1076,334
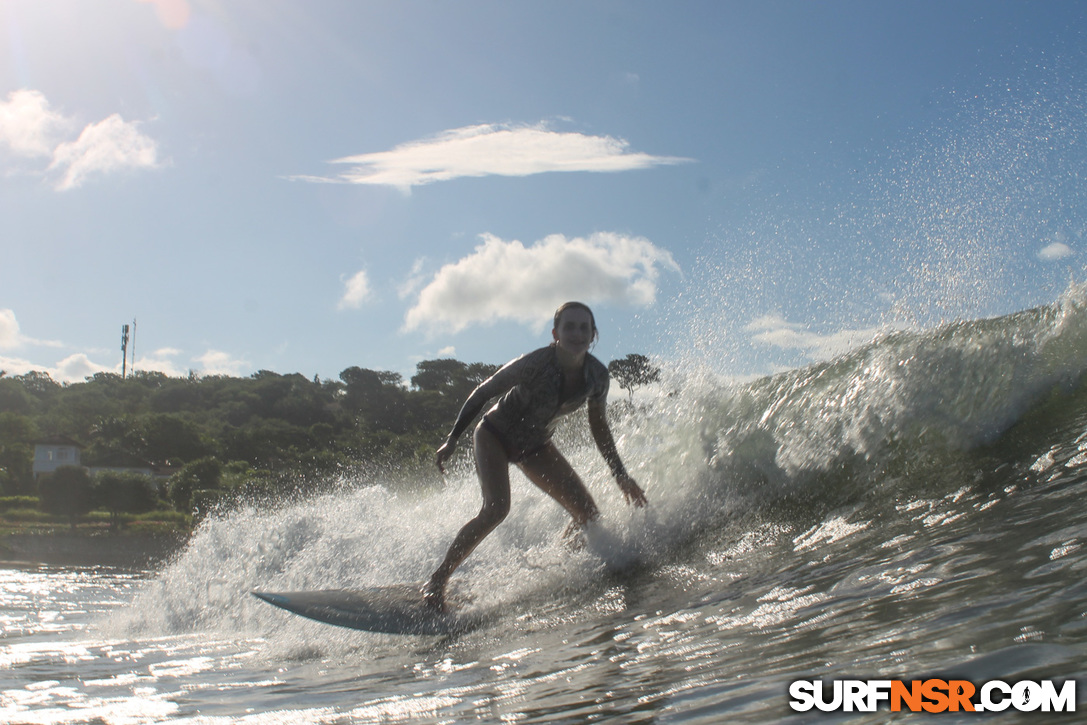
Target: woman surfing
533,392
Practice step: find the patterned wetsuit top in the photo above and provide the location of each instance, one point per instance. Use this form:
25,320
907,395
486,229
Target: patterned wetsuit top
531,398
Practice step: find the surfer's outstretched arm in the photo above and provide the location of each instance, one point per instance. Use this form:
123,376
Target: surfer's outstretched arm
494,386
598,424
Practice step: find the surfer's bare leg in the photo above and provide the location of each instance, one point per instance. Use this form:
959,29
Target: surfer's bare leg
493,468
553,474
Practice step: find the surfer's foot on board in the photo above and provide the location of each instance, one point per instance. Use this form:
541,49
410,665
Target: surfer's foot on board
434,597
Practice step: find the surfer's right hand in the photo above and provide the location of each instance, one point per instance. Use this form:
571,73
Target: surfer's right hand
444,453
631,490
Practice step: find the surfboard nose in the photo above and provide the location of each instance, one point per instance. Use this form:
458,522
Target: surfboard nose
393,609
272,598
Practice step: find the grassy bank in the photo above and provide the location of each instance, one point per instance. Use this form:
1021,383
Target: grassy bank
28,535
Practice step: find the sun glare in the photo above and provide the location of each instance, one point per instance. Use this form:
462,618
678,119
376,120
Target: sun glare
174,14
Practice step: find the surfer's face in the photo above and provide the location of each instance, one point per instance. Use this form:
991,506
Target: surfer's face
574,332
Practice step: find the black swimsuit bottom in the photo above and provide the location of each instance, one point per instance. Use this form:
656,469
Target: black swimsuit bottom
515,455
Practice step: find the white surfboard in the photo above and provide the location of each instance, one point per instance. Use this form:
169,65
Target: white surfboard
396,609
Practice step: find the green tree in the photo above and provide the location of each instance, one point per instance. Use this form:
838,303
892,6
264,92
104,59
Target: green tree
632,371
204,474
175,395
78,407
265,442
38,383
119,492
161,437
477,372
442,387
377,399
16,453
14,397
444,375
66,492
16,469
288,424
236,474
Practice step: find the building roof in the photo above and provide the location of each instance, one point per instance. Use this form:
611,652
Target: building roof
58,441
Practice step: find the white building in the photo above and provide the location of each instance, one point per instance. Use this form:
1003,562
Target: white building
52,453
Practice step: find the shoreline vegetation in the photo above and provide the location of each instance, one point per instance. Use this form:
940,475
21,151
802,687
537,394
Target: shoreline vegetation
153,453
90,549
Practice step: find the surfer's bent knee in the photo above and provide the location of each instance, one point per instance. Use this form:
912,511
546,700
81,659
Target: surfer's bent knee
494,511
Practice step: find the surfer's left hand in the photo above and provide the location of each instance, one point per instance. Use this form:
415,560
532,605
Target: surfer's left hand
631,490
443,454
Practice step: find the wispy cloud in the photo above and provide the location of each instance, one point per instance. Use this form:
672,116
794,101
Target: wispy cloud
416,279
31,130
356,291
104,147
776,331
503,280
491,150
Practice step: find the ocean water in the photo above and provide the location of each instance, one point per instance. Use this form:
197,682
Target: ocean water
912,509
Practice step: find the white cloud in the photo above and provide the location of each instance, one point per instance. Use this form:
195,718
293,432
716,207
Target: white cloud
775,331
492,150
31,130
27,126
73,369
507,281
9,330
356,291
161,361
216,362
16,366
77,367
11,336
104,147
1055,251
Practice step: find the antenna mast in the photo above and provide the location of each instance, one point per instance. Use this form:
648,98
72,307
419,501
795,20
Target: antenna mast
124,350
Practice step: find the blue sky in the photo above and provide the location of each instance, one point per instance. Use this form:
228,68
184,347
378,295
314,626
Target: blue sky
307,186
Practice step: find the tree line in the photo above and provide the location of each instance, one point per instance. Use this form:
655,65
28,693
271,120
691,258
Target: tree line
220,435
